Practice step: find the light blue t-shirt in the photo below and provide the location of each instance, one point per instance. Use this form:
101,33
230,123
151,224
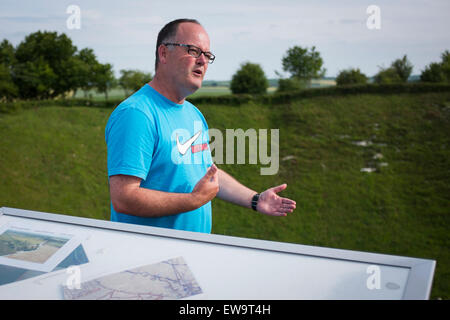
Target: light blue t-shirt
167,146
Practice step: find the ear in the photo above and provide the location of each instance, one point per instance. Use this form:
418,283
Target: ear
162,53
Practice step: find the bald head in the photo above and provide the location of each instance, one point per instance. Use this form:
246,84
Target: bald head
168,34
182,59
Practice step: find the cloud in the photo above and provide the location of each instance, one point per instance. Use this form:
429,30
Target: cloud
352,21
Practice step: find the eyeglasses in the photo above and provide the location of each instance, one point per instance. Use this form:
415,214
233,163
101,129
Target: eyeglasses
194,51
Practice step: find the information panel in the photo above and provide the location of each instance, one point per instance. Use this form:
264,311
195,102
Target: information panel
53,256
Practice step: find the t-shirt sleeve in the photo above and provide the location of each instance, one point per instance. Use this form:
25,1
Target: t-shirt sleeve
130,140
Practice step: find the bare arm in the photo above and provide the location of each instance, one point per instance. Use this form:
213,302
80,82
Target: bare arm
233,191
128,197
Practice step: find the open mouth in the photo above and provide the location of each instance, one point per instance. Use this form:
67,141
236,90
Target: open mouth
198,73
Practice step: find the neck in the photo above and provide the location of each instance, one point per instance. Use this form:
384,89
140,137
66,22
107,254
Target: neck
160,84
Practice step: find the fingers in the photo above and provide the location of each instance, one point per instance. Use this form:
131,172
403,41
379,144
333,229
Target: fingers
287,206
288,202
285,210
212,170
281,210
211,174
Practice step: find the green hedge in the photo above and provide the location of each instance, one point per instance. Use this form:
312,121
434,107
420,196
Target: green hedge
238,99
229,99
286,97
15,106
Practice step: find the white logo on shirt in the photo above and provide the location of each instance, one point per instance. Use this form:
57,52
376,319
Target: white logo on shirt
183,147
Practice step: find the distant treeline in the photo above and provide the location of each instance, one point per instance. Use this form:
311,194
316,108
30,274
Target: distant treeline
273,82
306,64
46,65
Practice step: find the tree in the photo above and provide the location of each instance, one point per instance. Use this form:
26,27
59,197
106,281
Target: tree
432,73
303,63
387,76
50,55
104,78
290,84
351,76
47,65
437,71
403,67
87,64
250,78
35,79
7,53
398,72
445,64
132,80
8,89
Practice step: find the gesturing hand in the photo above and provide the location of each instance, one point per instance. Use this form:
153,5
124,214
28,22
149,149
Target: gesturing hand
207,187
271,204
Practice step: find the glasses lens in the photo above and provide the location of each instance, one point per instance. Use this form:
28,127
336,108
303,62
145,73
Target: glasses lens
195,52
209,56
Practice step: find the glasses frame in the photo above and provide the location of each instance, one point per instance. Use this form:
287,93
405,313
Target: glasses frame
190,47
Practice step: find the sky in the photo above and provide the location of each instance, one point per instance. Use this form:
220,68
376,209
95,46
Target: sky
124,33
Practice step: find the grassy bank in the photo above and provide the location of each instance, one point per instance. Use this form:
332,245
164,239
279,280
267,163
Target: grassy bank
54,159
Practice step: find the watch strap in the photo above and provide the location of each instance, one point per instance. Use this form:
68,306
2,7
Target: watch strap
255,201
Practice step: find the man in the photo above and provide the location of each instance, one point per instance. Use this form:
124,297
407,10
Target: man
159,164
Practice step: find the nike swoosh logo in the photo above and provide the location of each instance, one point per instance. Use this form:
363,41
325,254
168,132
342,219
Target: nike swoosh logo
183,147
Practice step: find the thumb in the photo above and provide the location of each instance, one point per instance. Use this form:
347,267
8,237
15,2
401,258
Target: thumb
211,170
279,188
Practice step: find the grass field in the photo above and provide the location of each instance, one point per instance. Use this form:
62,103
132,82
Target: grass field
53,159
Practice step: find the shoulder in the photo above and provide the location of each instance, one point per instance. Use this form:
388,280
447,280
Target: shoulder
139,103
136,112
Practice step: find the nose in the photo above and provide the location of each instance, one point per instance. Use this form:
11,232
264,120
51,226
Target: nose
201,60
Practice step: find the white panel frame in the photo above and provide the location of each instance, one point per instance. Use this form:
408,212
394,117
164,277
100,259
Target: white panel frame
418,286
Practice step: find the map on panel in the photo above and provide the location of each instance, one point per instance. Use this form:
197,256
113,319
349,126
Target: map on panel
170,279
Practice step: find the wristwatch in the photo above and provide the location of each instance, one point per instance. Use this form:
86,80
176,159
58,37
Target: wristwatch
255,201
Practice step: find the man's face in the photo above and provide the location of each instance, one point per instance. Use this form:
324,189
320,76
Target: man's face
187,72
